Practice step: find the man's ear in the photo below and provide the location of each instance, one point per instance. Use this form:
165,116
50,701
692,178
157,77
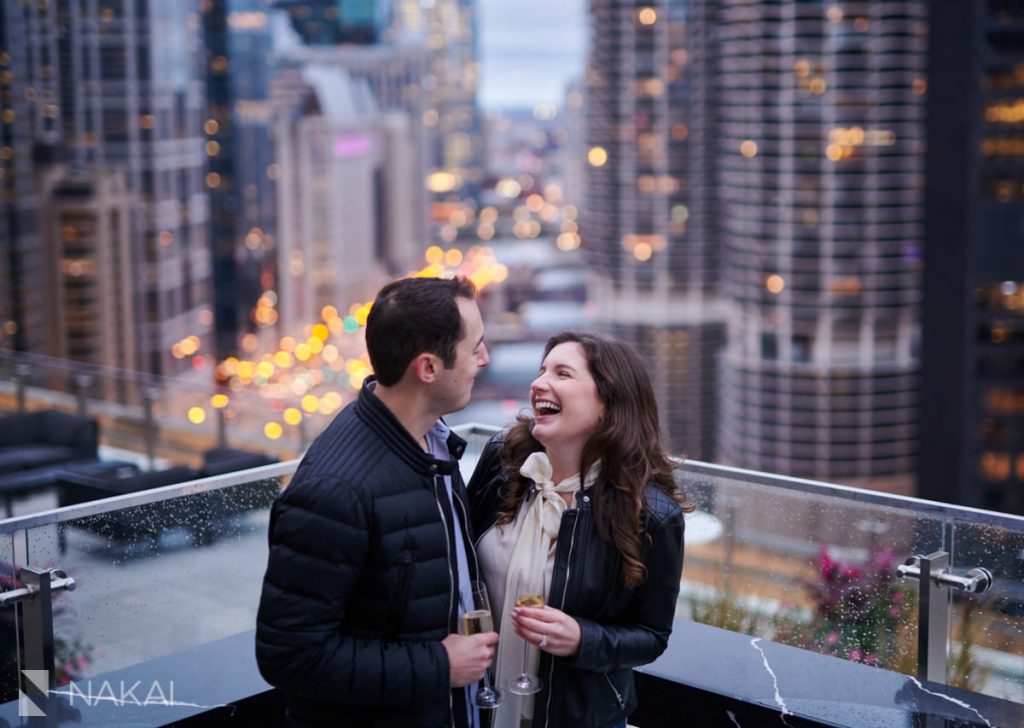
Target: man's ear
426,367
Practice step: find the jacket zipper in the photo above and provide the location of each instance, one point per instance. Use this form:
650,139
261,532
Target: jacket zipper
451,577
618,695
565,592
401,595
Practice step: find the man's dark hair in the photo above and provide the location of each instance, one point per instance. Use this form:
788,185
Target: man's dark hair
412,316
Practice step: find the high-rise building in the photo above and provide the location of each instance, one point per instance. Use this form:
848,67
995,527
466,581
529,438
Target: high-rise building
447,28
29,128
90,309
972,394
132,76
821,154
113,86
250,47
343,191
655,275
394,75
240,153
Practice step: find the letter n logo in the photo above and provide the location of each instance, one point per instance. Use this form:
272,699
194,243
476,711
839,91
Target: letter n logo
35,693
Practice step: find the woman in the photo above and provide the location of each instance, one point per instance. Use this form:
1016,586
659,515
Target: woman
580,495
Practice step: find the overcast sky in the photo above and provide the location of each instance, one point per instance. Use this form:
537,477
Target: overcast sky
529,50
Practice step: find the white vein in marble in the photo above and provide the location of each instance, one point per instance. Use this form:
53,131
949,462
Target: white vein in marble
953,700
732,717
775,681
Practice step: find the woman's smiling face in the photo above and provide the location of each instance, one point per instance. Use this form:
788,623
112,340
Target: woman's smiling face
564,397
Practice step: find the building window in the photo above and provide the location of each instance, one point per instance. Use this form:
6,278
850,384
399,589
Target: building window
1001,296
801,349
1005,401
995,466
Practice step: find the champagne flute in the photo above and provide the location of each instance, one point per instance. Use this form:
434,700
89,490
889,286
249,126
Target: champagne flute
528,594
477,621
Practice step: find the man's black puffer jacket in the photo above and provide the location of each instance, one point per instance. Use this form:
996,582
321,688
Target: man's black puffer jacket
359,588
620,628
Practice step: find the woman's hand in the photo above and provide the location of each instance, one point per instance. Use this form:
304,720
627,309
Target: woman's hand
551,629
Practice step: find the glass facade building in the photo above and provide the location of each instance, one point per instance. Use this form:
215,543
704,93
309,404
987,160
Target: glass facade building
28,129
821,155
115,85
240,151
655,270
972,402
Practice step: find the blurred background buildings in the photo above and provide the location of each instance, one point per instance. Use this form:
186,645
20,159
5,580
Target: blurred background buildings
972,345
806,215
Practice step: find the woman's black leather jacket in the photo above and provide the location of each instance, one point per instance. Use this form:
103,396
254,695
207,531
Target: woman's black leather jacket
620,628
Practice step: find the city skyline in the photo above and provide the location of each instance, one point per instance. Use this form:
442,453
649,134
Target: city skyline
735,188
806,217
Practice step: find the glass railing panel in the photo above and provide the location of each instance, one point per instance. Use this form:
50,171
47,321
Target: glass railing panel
806,569
156,579
986,630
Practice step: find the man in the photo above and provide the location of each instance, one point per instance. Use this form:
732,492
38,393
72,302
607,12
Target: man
370,557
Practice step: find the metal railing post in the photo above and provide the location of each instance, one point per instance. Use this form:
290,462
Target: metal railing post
37,618
933,605
149,395
222,428
22,372
83,383
37,677
933,619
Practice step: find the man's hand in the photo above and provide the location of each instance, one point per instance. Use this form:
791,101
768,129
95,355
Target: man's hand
469,657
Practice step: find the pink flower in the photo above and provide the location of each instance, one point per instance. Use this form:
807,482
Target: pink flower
832,638
855,654
827,565
850,573
65,672
82,662
894,611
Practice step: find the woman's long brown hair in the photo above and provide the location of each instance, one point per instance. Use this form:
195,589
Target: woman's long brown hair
628,442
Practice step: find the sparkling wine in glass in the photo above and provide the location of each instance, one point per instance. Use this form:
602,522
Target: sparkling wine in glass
527,595
477,621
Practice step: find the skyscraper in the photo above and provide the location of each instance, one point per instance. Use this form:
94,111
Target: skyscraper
821,201
343,190
394,75
447,28
655,272
239,149
89,311
29,129
972,395
111,86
